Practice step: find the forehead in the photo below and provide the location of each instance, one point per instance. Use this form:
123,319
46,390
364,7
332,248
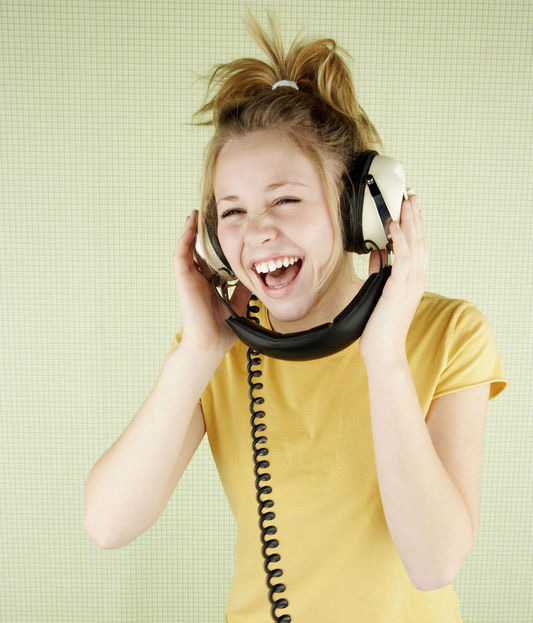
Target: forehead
261,158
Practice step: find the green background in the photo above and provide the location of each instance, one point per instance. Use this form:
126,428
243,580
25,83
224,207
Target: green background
98,170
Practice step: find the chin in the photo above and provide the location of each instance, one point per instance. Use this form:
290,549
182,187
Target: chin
289,312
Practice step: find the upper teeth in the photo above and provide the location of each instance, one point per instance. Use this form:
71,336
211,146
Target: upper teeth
271,265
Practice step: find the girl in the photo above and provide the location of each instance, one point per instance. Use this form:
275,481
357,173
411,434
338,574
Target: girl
374,452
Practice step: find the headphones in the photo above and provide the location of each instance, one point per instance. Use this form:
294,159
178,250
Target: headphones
374,188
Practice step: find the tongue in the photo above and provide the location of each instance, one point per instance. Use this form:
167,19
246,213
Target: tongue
282,275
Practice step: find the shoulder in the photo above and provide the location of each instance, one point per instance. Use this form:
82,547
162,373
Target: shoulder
446,328
433,305
456,339
444,316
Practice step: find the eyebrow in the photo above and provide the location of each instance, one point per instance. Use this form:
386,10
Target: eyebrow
269,187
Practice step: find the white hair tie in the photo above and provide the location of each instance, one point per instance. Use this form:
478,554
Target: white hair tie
285,83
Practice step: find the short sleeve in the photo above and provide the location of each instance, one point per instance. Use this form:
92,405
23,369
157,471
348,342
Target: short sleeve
175,341
472,357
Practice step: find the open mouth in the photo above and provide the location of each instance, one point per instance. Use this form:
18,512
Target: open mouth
281,276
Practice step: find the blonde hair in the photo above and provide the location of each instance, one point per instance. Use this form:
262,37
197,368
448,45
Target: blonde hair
323,118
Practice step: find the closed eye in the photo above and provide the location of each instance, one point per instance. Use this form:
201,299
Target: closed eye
281,201
230,212
286,199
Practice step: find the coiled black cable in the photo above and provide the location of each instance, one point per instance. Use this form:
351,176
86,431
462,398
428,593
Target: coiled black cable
254,360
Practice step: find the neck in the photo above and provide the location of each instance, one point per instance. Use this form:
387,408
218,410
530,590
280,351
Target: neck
339,292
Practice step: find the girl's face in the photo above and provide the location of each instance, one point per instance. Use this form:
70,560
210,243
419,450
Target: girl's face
274,225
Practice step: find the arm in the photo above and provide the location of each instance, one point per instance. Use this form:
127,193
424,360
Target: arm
429,475
130,485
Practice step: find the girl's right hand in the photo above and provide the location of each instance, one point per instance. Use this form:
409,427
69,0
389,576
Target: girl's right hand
203,313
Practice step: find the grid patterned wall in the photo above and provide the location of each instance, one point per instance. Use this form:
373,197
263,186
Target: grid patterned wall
98,170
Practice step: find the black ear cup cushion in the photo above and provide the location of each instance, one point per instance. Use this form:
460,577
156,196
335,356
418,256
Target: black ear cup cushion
352,200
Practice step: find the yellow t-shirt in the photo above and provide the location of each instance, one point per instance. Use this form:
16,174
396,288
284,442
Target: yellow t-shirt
339,562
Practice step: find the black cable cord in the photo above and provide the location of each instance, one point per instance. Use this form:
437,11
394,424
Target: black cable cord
254,360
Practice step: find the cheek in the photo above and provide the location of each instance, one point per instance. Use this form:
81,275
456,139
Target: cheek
319,238
230,242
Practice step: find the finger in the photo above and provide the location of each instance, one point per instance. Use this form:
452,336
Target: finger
423,242
417,242
417,217
402,254
189,229
420,255
408,223
182,255
191,224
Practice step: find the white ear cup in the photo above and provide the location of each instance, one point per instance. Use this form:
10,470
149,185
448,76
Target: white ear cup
206,257
199,247
390,179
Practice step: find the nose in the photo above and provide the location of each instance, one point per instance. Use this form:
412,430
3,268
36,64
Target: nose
259,230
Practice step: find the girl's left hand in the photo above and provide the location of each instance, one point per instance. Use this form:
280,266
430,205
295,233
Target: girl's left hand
386,330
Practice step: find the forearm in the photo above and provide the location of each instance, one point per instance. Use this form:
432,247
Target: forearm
129,485
425,513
